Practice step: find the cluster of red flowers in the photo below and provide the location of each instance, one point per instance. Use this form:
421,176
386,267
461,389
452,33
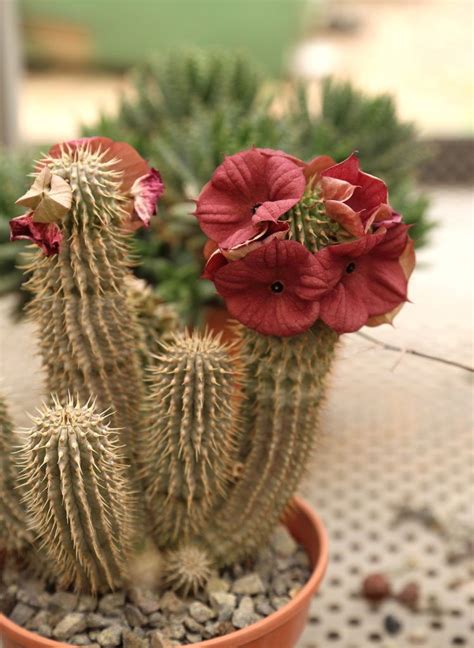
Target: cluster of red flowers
140,184
277,286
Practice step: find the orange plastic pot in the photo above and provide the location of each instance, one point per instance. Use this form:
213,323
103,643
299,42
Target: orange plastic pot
279,630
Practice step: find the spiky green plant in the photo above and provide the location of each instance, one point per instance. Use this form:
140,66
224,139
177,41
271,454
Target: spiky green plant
13,531
187,569
88,332
77,495
158,320
192,427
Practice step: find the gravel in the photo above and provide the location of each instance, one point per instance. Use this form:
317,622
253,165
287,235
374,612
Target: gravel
234,598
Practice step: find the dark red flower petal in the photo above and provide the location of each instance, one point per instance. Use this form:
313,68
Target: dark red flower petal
365,277
146,192
47,236
246,190
347,170
274,289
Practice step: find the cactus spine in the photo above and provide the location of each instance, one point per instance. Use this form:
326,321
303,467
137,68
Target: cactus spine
13,531
77,495
282,392
87,329
193,433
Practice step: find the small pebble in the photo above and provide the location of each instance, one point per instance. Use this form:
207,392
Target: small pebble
86,603
376,588
417,637
245,613
22,613
224,604
7,602
79,640
176,631
45,630
95,620
193,626
409,595
193,638
169,602
158,640
134,617
112,604
250,585
157,620
111,636
264,608
215,584
146,600
63,601
392,625
132,639
279,601
72,624
201,612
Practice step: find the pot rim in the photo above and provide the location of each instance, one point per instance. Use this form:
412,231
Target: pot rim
250,633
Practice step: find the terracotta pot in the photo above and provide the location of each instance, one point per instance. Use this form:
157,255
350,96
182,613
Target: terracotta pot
279,630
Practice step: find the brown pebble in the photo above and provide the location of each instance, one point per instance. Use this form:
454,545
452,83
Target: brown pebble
376,588
409,595
225,628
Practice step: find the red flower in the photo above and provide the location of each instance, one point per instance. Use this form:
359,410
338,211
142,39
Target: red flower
356,199
216,258
274,289
365,278
145,191
47,236
247,191
140,182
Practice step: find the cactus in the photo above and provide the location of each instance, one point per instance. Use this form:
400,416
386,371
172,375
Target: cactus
193,434
77,496
284,386
87,330
13,531
187,569
158,320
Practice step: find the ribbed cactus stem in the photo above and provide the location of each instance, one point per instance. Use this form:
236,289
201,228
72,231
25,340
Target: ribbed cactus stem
87,329
13,531
77,495
310,225
283,393
192,430
158,321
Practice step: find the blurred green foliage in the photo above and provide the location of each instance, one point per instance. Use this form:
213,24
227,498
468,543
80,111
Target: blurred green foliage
190,109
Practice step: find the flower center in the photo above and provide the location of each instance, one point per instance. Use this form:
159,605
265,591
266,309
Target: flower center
255,207
351,267
277,287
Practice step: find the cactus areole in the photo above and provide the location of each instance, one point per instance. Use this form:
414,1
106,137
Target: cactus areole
151,436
